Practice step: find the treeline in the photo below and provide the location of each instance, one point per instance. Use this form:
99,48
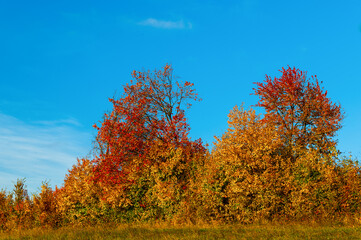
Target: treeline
280,166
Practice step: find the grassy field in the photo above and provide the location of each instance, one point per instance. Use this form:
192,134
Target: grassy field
288,231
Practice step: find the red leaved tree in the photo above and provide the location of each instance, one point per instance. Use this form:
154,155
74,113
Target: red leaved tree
151,109
304,115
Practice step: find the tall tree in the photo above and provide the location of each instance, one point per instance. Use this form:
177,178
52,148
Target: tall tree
151,109
299,107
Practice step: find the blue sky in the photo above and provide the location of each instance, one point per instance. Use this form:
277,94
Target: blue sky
61,60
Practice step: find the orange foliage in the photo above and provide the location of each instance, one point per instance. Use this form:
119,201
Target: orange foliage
79,199
45,207
280,166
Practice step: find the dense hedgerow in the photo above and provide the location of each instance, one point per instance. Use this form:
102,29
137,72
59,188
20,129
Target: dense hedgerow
280,166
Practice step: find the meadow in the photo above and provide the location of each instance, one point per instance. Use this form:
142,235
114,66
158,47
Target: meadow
143,231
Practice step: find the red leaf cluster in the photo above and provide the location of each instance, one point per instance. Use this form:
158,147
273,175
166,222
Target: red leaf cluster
301,110
150,110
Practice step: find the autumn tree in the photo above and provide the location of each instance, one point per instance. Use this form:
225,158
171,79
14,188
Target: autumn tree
305,117
45,207
246,179
150,111
281,164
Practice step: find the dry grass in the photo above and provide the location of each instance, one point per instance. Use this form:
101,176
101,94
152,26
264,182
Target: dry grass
163,231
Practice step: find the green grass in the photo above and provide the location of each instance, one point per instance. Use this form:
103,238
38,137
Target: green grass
288,231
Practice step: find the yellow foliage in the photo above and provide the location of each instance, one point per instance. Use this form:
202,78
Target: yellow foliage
246,175
79,199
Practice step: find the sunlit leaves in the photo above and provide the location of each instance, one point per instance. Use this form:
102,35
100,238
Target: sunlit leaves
246,175
301,110
150,110
283,165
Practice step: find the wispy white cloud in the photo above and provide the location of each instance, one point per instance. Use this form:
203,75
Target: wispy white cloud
152,22
67,121
39,151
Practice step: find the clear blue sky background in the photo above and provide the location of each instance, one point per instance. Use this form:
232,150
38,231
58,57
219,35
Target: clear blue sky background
61,60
